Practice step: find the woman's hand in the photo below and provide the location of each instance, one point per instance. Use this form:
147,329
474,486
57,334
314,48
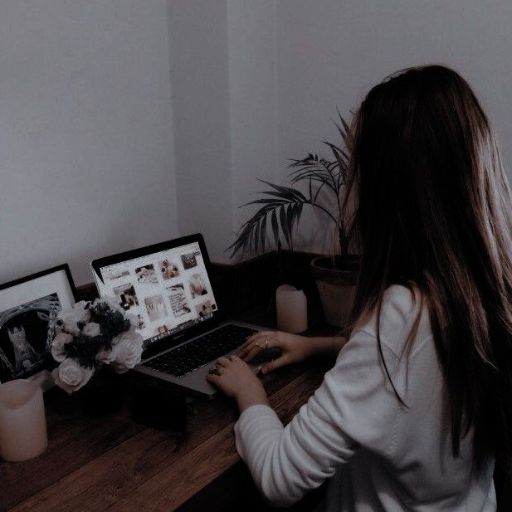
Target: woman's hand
293,348
234,377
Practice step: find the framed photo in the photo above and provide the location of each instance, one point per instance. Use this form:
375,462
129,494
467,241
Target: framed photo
28,308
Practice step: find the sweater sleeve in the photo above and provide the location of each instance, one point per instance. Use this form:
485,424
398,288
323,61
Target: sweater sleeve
354,406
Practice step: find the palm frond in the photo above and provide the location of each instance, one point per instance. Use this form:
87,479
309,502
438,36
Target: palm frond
281,207
275,227
285,192
317,168
317,193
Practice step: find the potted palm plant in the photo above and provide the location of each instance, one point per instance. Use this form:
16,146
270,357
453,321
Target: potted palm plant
318,183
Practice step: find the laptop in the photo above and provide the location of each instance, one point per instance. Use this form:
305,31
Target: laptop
167,289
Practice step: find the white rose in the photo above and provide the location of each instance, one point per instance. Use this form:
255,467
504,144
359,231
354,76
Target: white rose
105,356
66,322
91,329
82,311
128,352
70,318
70,376
82,305
57,347
124,336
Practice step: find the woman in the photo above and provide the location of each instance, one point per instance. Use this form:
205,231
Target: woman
417,411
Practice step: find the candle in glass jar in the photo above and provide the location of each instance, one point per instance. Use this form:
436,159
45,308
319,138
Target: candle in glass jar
22,421
292,310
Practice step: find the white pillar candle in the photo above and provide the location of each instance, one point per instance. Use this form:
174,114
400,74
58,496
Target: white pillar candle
292,309
22,421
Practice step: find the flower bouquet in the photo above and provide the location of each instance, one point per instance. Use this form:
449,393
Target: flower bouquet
90,335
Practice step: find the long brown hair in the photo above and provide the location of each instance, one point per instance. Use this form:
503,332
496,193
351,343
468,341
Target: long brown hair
433,211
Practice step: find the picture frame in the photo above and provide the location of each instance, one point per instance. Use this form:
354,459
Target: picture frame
28,308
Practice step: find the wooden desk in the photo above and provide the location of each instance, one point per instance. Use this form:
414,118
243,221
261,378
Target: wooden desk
95,464
112,463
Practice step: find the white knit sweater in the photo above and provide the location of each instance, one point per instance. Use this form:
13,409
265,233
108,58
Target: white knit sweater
378,455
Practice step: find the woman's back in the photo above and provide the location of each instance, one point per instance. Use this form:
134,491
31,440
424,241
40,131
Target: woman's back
434,209
383,455
410,465
418,409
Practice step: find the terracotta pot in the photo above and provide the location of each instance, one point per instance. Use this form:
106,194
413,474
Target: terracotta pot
336,279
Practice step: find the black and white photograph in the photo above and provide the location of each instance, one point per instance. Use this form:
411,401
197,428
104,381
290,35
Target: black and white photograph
25,334
189,260
28,308
197,286
126,296
169,269
155,307
146,274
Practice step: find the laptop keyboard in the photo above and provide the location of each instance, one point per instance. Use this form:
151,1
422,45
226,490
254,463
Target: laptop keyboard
201,351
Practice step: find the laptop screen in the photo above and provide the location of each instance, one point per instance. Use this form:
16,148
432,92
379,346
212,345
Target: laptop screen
164,292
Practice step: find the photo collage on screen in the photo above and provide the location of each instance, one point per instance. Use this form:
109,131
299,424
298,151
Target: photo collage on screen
163,292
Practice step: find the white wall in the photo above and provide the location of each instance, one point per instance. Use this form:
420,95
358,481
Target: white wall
86,156
125,122
331,53
253,74
224,91
200,100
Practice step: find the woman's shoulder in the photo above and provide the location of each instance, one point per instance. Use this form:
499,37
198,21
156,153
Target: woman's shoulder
402,301
404,311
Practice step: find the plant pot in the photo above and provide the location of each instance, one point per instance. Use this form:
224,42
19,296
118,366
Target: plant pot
336,279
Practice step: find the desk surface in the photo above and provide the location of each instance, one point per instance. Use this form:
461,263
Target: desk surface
95,464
